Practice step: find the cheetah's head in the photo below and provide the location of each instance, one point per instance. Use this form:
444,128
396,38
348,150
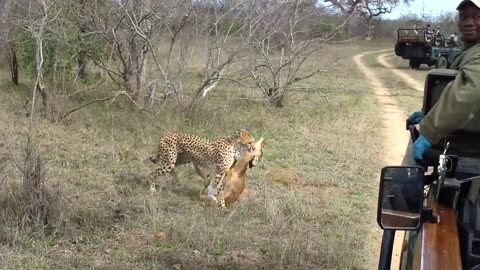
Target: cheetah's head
245,138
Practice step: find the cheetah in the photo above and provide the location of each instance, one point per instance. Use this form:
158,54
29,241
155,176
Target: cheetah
179,148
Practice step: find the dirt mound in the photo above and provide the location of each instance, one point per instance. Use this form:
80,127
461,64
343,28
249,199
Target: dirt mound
292,180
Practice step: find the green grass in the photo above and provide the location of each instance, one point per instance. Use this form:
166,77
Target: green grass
313,203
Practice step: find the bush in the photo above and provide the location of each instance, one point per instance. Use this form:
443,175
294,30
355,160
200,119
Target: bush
29,202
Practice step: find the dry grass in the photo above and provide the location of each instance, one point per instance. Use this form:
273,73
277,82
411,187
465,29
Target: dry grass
311,204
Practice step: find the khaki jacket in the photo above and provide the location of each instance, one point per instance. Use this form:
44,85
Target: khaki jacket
458,108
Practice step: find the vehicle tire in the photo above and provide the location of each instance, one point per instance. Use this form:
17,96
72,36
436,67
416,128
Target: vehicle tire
398,49
441,62
431,62
414,63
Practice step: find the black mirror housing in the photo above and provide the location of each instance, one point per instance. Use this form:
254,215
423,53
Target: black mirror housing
400,200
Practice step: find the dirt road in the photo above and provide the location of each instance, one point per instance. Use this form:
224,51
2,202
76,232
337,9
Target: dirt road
393,119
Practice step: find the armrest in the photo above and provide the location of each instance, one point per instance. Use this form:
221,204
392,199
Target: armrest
440,244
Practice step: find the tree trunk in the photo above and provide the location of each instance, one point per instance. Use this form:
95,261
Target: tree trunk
82,70
136,73
39,65
43,93
13,62
82,56
277,101
142,77
276,96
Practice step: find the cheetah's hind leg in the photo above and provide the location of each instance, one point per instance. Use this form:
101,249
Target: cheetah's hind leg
205,176
162,170
153,185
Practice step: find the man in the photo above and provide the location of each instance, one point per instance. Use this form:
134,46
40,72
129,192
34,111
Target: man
438,36
429,30
416,27
458,108
453,39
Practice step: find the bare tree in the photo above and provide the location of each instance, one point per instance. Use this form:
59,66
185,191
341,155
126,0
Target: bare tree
33,17
220,29
130,31
280,41
117,24
265,41
37,29
367,9
145,47
132,34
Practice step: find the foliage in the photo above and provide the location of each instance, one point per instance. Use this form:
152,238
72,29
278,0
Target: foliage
325,26
225,27
62,43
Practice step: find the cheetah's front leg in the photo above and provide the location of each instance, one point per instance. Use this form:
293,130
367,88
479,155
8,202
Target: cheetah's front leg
219,186
222,191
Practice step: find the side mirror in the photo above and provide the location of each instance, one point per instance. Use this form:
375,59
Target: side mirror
400,199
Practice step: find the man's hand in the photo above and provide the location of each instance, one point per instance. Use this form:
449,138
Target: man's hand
420,146
415,117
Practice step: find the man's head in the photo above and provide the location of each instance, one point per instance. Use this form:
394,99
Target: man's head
469,21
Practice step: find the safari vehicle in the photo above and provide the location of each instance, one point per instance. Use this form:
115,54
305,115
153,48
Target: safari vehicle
443,56
420,47
437,203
